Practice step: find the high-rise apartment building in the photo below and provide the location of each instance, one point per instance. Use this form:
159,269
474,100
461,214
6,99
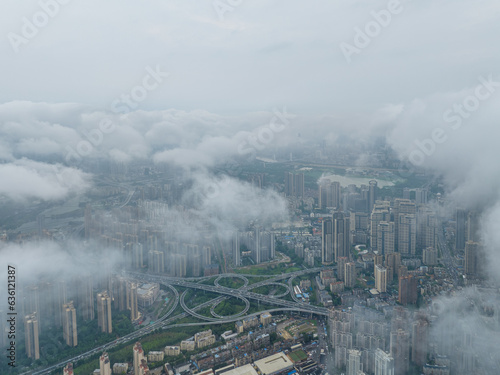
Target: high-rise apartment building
386,237
327,254
400,350
407,234
380,279
354,365
104,312
31,336
104,364
350,275
384,363
341,235
407,290
139,356
460,229
70,332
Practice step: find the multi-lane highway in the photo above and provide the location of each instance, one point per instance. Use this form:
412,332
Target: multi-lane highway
244,293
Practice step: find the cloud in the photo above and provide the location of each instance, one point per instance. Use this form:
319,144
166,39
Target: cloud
26,179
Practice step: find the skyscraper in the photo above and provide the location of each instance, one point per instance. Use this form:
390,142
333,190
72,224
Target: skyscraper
386,236
407,290
70,332
341,235
372,194
68,369
235,244
354,365
419,342
384,363
139,356
350,275
472,256
104,364
400,350
379,213
460,231
104,312
134,311
327,253
407,234
380,279
31,336
85,297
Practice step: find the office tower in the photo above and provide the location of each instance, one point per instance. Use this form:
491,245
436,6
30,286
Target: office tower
85,297
419,341
137,250
460,231
379,213
407,290
139,356
68,369
354,365
327,241
341,262
350,275
69,324
472,256
380,279
31,336
385,238
473,233
134,311
235,244
407,234
341,235
430,256
104,312
372,194
104,364
384,363
400,351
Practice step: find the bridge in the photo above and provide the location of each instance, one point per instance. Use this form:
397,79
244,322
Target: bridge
244,293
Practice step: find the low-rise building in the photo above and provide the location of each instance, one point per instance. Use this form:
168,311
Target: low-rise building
188,345
275,364
120,368
172,350
266,318
155,356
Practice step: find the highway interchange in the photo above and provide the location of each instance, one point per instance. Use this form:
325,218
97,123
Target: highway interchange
244,293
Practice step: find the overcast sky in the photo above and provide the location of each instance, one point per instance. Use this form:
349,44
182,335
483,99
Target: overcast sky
260,55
